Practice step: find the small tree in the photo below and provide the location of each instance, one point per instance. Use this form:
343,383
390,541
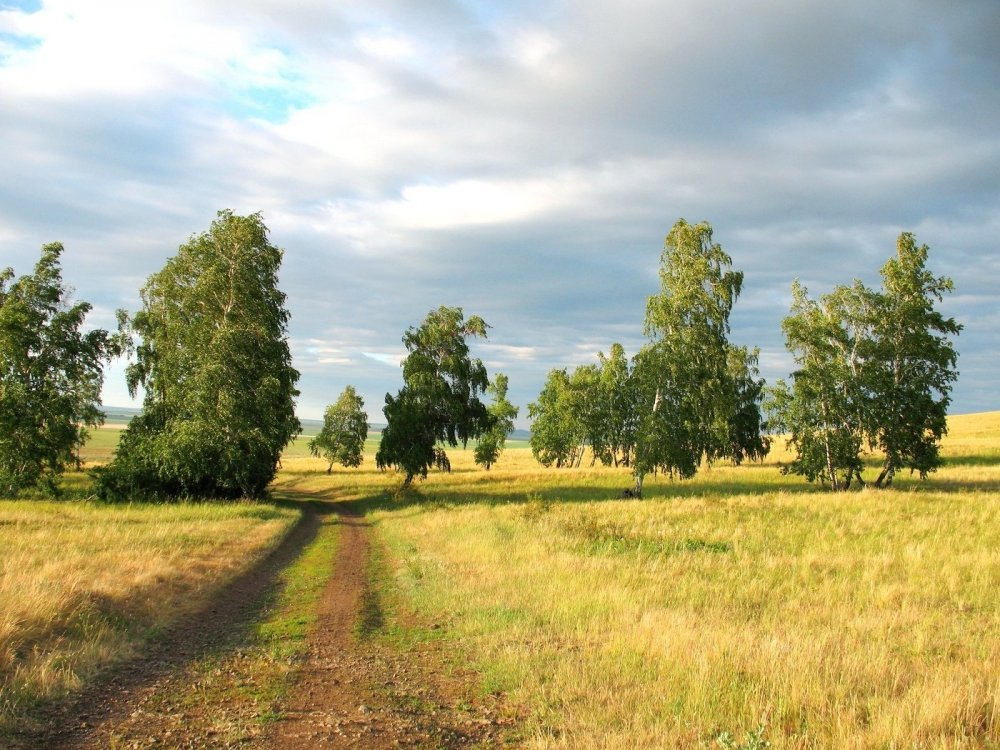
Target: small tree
345,427
50,375
439,402
502,415
620,398
914,364
822,410
216,368
557,431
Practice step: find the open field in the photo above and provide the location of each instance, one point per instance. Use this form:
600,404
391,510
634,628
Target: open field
737,606
740,606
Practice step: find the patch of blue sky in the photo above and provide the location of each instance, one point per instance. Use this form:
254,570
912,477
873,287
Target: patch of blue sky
270,103
25,6
11,43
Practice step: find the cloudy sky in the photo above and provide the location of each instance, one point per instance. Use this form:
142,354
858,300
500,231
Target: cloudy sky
522,160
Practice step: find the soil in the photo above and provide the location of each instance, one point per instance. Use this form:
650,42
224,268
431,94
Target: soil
352,690
353,693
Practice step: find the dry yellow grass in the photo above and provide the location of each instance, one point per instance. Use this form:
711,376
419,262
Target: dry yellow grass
81,584
739,601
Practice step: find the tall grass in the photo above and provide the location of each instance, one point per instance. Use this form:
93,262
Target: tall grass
740,605
82,584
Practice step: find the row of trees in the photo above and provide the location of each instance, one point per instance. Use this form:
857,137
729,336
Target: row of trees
875,370
439,404
687,397
212,359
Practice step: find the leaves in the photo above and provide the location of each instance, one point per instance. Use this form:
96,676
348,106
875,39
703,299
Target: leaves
699,396
502,414
345,427
875,368
439,401
215,366
50,374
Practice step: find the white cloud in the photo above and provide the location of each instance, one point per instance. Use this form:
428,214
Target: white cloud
524,160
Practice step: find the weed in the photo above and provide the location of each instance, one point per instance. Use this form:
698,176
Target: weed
754,740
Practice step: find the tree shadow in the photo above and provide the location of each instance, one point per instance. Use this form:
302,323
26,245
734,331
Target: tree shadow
222,625
564,489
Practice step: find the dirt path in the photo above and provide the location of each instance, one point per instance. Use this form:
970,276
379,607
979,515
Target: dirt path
354,693
350,691
116,699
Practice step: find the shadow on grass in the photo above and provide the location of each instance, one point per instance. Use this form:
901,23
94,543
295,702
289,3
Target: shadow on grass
564,488
224,624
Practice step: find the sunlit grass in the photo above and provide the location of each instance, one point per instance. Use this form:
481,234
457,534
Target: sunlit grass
83,584
738,600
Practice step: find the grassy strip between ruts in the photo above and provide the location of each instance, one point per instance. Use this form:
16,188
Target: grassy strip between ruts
229,696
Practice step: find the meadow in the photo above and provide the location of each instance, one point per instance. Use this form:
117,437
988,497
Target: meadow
739,608
736,609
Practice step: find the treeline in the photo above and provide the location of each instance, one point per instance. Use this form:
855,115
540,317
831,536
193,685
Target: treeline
687,397
209,350
875,372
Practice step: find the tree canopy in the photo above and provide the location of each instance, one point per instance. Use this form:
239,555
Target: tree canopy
502,415
215,366
345,427
875,368
439,403
699,395
51,374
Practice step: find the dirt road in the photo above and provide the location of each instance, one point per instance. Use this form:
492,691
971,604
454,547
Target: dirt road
352,690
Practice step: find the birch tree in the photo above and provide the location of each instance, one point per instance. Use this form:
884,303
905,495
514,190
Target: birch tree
875,369
216,371
345,427
502,415
689,392
51,374
439,403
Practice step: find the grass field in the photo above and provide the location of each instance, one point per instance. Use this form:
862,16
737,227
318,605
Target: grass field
740,607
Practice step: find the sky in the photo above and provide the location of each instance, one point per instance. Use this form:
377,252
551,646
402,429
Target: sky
521,160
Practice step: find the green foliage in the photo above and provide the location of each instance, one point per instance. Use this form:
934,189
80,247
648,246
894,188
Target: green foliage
618,392
595,406
700,396
875,368
502,414
754,740
914,363
216,369
557,430
50,375
345,427
439,402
